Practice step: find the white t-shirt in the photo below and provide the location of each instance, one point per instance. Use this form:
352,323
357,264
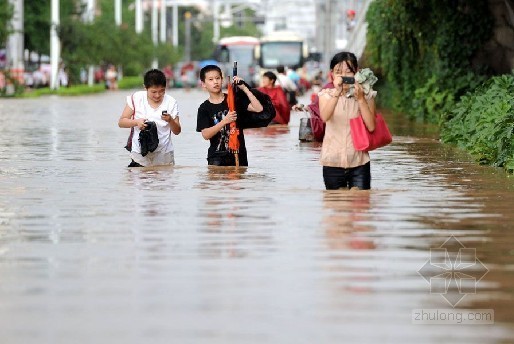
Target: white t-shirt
286,83
144,110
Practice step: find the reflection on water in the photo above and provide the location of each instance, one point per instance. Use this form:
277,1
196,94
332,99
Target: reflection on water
93,251
344,226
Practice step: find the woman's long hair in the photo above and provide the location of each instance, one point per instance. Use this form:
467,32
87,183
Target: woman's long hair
350,59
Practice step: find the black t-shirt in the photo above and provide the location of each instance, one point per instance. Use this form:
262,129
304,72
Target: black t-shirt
210,114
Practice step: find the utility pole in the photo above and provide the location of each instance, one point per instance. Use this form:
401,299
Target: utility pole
118,20
117,12
15,43
55,44
328,29
216,23
163,22
154,23
187,52
175,25
155,30
139,16
89,17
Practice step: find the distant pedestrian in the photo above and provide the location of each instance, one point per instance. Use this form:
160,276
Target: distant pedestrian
111,78
278,98
2,81
187,75
83,75
343,166
287,85
168,72
152,105
350,20
62,76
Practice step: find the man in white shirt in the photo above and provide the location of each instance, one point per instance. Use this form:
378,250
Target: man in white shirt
287,85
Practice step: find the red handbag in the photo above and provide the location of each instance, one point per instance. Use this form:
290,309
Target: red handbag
363,140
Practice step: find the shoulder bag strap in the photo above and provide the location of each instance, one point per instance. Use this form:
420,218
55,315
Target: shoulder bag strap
134,106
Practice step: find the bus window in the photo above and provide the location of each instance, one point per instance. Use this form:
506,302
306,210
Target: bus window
224,55
274,54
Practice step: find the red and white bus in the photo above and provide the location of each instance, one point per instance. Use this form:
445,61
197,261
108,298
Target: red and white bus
238,49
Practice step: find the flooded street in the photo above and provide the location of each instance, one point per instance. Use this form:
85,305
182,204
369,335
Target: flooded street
93,252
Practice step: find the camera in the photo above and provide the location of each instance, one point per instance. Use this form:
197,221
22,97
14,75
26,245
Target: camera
348,80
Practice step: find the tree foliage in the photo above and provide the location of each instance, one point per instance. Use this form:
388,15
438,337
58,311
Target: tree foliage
483,123
424,49
101,42
6,12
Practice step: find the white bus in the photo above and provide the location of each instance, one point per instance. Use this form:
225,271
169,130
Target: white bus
238,49
281,48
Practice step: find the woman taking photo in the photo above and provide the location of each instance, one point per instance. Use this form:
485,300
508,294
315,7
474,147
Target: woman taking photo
343,166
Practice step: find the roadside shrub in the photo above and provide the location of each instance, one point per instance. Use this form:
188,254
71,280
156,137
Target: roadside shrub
483,123
12,88
130,82
75,90
424,49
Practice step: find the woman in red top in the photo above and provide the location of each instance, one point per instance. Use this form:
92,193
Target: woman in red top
278,98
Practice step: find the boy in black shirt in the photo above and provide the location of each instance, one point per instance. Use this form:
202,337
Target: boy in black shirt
214,118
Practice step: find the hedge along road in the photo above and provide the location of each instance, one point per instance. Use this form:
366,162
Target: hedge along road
90,250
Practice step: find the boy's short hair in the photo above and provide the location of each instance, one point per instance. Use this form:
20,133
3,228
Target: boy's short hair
270,75
281,69
154,77
207,69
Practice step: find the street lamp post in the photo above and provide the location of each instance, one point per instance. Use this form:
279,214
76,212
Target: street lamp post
55,44
139,16
89,17
155,31
187,52
216,23
15,43
117,12
163,25
175,25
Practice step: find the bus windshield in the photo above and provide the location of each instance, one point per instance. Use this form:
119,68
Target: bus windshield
242,54
240,50
274,54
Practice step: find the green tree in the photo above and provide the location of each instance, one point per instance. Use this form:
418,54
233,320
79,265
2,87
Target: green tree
6,12
102,42
424,49
37,19
37,26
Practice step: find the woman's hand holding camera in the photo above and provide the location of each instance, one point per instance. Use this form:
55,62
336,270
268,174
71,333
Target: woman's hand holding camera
338,82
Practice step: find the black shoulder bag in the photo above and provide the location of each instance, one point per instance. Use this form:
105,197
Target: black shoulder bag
250,119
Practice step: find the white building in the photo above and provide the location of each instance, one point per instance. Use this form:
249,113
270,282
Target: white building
298,16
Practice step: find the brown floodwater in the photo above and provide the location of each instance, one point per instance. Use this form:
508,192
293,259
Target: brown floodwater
94,252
